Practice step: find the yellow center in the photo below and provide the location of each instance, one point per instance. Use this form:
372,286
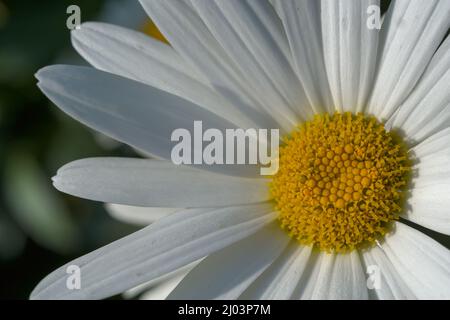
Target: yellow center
150,29
341,181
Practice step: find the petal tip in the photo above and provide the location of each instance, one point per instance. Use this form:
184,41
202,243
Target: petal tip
40,74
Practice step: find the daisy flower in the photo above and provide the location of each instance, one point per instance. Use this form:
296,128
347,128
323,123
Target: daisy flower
364,113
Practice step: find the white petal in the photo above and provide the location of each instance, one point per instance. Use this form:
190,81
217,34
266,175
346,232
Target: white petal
428,201
129,53
280,280
227,273
432,145
427,109
335,277
136,56
161,248
391,285
141,216
301,21
429,207
159,283
431,161
412,31
350,49
128,111
432,157
189,36
251,34
163,290
422,263
154,183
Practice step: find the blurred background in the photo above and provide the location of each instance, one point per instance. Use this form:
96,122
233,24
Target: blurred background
40,228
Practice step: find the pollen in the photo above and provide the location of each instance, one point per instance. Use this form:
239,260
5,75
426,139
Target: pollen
341,181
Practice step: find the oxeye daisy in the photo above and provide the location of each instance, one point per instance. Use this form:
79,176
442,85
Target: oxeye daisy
364,114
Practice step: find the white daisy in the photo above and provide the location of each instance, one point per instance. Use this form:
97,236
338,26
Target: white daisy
261,64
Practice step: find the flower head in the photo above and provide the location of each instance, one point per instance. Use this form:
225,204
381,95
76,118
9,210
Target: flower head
341,91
